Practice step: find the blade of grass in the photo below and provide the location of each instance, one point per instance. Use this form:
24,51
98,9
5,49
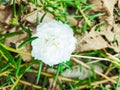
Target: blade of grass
83,14
118,82
9,56
99,73
39,72
42,17
18,66
61,84
6,66
58,72
44,83
89,80
26,42
14,8
71,86
93,71
37,18
10,34
16,82
14,50
26,29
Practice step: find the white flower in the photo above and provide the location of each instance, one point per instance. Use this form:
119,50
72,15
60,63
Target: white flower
54,44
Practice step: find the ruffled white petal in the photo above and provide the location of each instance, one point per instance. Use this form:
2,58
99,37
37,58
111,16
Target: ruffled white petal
54,44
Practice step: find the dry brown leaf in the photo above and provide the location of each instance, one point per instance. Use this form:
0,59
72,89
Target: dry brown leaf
109,5
17,40
32,7
32,18
119,4
26,48
18,2
98,5
109,33
3,30
116,45
72,20
109,36
6,14
90,41
106,7
53,85
2,7
77,72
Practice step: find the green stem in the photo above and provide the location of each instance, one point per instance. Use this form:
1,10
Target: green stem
84,16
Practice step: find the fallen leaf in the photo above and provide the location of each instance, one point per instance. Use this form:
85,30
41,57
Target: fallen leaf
97,5
109,6
106,7
72,20
26,48
32,18
119,4
6,15
90,41
77,72
109,36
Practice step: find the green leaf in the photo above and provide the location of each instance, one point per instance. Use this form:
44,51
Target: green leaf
8,55
26,29
68,65
60,66
39,72
10,34
14,21
6,66
18,66
5,2
26,42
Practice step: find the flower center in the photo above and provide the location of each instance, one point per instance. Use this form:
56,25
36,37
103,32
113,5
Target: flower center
52,40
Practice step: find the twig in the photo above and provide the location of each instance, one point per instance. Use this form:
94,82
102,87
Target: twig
16,82
108,69
97,82
59,77
5,87
24,82
89,57
85,65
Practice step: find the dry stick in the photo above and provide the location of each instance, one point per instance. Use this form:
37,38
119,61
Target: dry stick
6,87
46,74
5,72
30,84
31,13
59,77
97,83
106,72
25,82
108,69
113,57
89,57
6,58
85,65
16,82
96,59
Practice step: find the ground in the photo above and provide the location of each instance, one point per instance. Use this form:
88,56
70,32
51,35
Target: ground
94,64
